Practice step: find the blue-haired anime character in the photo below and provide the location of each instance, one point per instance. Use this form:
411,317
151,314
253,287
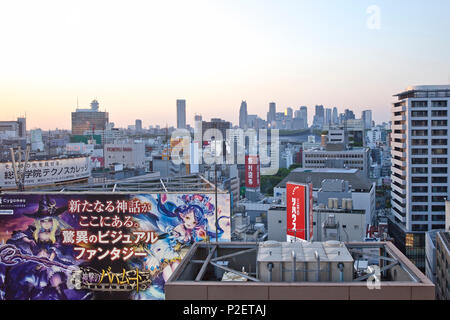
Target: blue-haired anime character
191,217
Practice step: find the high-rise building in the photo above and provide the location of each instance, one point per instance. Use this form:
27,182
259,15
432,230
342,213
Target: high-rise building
289,113
328,119
181,114
319,117
334,116
243,115
349,114
420,167
304,116
367,118
138,125
89,119
272,112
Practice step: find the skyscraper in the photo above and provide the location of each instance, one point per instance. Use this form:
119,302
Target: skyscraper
328,116
271,115
89,119
319,117
420,167
334,116
304,116
181,114
367,118
243,114
138,125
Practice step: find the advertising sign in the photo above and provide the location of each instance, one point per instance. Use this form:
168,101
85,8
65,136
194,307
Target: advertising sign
44,172
252,174
296,211
101,246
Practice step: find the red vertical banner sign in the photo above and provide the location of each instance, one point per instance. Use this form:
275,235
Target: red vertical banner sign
252,178
296,212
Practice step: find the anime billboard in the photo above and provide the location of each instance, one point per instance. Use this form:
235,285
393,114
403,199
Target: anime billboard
101,246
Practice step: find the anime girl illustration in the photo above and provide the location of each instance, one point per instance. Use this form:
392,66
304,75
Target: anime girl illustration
161,262
31,279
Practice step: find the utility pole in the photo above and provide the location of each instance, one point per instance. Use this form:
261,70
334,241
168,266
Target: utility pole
18,168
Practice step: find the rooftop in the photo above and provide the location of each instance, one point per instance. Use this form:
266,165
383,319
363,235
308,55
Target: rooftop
204,273
356,179
146,183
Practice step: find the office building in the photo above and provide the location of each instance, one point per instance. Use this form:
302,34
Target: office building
181,114
420,166
367,119
130,155
443,265
13,129
271,113
243,116
89,119
334,116
336,155
138,125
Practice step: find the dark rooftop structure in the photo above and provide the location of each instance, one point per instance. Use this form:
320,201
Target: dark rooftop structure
264,271
357,179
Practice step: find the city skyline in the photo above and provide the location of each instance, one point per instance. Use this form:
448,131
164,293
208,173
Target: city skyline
214,55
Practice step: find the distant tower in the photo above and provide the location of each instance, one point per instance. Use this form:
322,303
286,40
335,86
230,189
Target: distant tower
138,125
181,114
272,112
243,114
335,116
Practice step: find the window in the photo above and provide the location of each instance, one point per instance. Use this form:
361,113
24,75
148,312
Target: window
419,170
419,142
440,113
419,104
420,208
439,189
419,133
439,179
419,227
439,161
419,179
438,208
419,160
438,198
438,123
439,170
419,217
419,151
419,114
439,132
421,189
439,142
439,104
420,198
439,151
420,123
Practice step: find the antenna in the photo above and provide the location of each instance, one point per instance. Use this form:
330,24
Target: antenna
19,169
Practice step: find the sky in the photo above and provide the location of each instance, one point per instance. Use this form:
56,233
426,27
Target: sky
138,57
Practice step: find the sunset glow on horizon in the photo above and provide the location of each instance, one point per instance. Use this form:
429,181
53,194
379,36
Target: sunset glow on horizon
137,57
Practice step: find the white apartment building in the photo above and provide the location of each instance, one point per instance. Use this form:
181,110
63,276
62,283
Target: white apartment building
420,150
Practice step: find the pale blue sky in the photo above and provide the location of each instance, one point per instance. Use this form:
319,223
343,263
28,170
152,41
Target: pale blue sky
138,57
